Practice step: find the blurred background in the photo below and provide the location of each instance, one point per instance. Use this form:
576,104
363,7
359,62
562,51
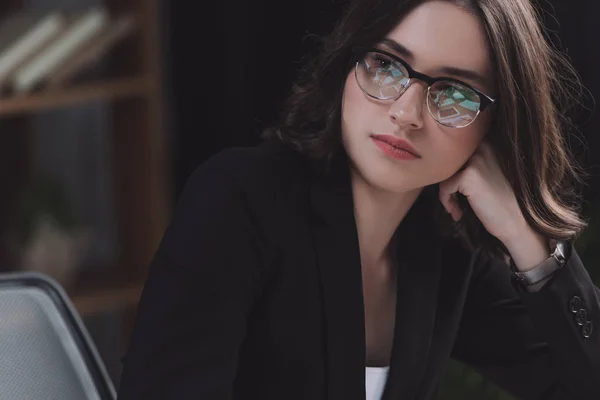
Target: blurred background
107,107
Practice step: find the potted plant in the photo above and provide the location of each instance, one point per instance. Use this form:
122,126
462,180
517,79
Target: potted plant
45,236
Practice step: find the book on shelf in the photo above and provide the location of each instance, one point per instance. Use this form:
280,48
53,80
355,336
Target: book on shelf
22,36
91,53
15,25
76,35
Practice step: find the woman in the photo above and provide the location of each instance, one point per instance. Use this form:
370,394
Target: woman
316,266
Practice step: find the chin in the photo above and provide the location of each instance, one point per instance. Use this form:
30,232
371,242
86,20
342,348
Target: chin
383,178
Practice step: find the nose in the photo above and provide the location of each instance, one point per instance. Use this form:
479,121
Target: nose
407,110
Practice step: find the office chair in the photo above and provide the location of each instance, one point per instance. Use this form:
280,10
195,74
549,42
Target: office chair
46,352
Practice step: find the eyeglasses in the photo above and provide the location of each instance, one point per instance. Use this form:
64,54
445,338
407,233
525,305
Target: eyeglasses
384,76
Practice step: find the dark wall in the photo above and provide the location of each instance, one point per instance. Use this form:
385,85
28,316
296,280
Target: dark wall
231,64
577,28
230,70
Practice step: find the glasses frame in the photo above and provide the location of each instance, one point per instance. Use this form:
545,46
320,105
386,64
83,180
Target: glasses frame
359,53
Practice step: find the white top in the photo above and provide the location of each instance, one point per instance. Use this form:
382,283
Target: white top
375,378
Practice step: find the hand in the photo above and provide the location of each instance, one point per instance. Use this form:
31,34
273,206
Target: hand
494,203
489,194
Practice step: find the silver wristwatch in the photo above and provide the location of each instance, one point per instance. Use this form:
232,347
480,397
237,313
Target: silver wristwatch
546,268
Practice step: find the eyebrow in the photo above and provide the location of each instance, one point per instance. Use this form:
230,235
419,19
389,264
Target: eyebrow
458,72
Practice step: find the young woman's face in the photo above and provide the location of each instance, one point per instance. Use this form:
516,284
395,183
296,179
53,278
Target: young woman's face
438,39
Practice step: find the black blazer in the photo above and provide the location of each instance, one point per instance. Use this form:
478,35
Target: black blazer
255,293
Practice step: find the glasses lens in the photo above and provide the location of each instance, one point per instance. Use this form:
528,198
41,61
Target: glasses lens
453,104
380,76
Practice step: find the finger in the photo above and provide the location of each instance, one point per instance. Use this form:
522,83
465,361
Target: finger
487,150
447,194
477,160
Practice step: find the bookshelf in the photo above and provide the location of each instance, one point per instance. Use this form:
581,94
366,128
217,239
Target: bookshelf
131,87
110,90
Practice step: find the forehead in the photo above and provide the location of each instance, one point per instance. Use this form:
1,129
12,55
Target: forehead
442,34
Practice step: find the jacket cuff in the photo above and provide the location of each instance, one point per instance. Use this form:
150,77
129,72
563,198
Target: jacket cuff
566,312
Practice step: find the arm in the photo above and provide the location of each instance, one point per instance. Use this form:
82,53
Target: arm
201,286
529,342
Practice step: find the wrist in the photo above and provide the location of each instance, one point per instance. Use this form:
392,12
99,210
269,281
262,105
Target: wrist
537,277
527,249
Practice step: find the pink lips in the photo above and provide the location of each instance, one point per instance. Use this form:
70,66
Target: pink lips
396,148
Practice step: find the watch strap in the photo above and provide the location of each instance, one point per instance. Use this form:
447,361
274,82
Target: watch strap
545,269
540,272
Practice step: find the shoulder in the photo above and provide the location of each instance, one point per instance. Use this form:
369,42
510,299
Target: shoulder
243,191
268,164
264,185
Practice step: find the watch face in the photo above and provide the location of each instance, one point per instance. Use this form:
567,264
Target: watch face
560,253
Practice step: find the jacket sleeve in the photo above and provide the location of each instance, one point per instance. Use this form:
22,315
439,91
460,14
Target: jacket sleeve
201,285
535,345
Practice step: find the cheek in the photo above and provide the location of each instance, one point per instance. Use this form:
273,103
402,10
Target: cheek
456,146
359,114
351,101
353,114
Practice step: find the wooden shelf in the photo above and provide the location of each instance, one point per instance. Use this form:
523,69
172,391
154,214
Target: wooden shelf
107,299
107,90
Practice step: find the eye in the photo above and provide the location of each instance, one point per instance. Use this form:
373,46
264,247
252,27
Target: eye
383,62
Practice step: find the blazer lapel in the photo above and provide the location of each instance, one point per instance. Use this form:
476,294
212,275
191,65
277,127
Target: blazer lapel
338,257
336,244
419,255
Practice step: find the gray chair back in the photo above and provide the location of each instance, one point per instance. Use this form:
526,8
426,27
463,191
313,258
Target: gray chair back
46,352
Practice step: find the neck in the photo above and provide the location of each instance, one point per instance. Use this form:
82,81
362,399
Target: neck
378,214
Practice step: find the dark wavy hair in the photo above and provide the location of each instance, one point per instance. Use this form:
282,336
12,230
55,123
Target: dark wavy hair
539,87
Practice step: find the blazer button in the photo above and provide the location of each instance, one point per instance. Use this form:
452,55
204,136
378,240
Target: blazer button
581,317
575,304
587,329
